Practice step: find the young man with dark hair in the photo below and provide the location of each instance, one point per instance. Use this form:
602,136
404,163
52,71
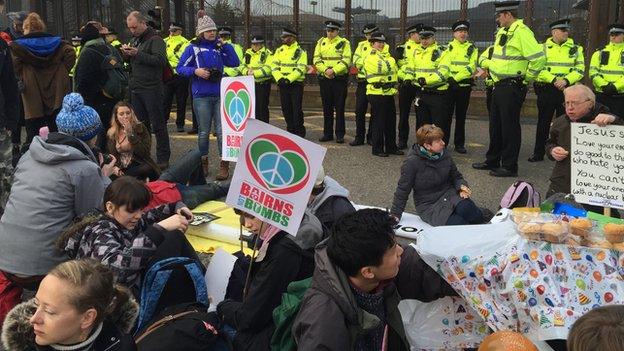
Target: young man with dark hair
352,303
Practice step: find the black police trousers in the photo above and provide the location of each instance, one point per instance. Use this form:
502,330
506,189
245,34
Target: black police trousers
434,107
333,96
407,93
263,94
459,99
549,101
178,86
291,98
361,105
383,123
505,132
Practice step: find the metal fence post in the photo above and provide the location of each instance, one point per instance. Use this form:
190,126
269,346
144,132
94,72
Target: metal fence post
247,20
347,19
403,18
528,13
165,16
296,15
463,12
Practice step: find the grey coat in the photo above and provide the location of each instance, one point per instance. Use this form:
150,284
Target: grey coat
53,184
435,186
147,66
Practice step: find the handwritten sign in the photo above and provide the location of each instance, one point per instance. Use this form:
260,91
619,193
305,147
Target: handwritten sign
597,165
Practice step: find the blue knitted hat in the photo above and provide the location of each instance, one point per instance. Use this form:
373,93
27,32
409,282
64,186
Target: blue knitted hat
78,120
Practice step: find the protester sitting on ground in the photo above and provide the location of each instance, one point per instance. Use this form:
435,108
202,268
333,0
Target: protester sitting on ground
441,195
599,329
580,107
42,63
281,260
329,201
57,180
91,75
130,142
127,239
77,307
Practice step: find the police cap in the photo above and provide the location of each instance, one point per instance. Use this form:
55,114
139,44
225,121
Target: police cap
174,26
257,39
506,6
288,32
370,28
415,28
225,31
377,36
461,25
563,24
332,25
616,29
426,32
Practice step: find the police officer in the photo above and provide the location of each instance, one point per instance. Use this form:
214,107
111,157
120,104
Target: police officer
225,33
430,73
178,85
361,102
462,57
289,67
565,66
486,55
75,40
332,58
606,71
111,37
407,92
256,63
381,75
516,60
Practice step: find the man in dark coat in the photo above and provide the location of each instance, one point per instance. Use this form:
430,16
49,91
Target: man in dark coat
9,116
581,107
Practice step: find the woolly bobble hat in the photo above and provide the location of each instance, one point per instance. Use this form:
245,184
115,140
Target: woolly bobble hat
78,120
204,23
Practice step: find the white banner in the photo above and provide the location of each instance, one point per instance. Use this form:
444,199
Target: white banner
597,164
274,175
238,105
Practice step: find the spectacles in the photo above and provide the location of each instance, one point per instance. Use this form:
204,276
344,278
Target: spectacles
574,103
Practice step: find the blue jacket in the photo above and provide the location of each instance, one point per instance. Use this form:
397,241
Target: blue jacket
206,54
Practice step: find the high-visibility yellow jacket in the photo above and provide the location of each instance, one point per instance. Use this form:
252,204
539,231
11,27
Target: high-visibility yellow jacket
607,66
234,71
73,69
516,54
289,62
260,62
404,51
432,64
363,49
462,60
175,47
565,61
116,44
334,54
381,73
485,56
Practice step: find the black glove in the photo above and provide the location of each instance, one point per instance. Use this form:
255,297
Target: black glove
226,310
452,83
609,89
422,81
282,81
407,82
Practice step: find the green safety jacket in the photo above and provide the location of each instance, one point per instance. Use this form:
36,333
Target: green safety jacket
175,47
516,54
404,51
363,49
334,54
73,69
260,62
607,66
462,61
290,62
485,56
381,71
432,64
565,61
234,71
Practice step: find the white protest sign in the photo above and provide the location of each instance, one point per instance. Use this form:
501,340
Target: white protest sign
274,175
218,275
597,164
238,105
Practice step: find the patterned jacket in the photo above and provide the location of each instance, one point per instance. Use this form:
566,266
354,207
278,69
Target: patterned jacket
126,252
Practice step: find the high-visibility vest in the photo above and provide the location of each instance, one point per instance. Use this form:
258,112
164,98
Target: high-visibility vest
381,73
462,60
363,49
430,63
485,56
565,61
516,54
404,51
73,69
234,71
175,47
332,53
259,61
289,62
607,66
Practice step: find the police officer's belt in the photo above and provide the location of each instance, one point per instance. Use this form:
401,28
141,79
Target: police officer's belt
511,81
383,85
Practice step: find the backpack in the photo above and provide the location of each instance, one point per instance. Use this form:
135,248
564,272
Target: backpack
520,194
284,315
116,76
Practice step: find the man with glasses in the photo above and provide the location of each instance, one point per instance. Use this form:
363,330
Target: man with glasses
332,58
516,60
606,71
565,66
580,107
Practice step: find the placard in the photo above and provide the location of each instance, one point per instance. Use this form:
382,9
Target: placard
597,164
238,105
274,175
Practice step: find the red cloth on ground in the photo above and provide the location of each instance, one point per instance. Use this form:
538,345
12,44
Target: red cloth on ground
10,296
162,193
